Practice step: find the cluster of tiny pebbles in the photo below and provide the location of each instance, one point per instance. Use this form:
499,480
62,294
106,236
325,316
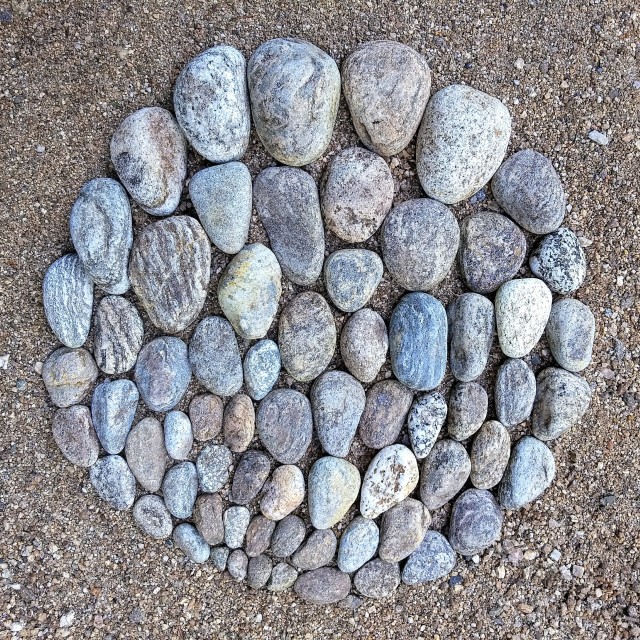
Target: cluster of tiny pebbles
224,480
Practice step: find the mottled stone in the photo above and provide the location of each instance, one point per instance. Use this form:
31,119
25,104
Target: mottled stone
425,421
476,522
323,586
191,543
570,333
152,517
68,374
178,436
318,550
377,579
283,577
515,392
250,474
113,481
214,467
283,492
146,453
261,368
489,455
351,277
364,344
219,557
433,559
74,434
180,488
259,571
207,516
287,536
358,544
236,521
444,472
468,404
258,536
239,423
205,413
237,564
113,409
402,529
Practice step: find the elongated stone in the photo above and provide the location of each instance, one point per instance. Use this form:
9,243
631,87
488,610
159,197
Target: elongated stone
444,472
259,571
68,374
207,516
75,436
515,392
178,436
114,482
402,529
489,455
425,421
237,565
214,465
570,333
187,538
236,520
180,488
476,522
468,404
152,517
261,368
364,344
205,413
358,544
258,536
146,453
239,423
219,557
433,559
288,536
283,492
323,586
113,409
249,476
317,551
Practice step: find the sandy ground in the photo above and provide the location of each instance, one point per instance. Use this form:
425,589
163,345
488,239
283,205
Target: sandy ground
70,71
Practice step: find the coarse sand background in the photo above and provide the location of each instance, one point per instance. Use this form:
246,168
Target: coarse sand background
70,566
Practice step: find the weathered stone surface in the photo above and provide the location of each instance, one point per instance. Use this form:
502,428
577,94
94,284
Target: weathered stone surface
149,153
288,536
237,565
259,571
433,559
236,520
570,333
283,492
258,536
468,404
386,85
283,576
152,517
113,481
113,409
364,344
239,423
476,522
146,453
489,455
207,516
214,465
377,579
75,436
461,142
178,436
191,543
212,104
358,544
444,472
515,392
402,529
425,421
219,557
180,488
250,474
323,586
351,277
294,88
261,368
68,374
288,206
205,413
318,550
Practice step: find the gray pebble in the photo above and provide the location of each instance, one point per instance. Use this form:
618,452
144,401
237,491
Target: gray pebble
377,579
113,409
152,517
250,474
236,521
364,344
351,602
68,374
476,522
207,516
259,571
237,564
489,455
283,576
323,586
261,368
425,421
358,544
239,423
180,488
146,453
570,333
287,536
205,413
219,557
113,481
433,559
351,277
75,436
402,529
318,550
283,492
444,472
515,392
258,536
178,436
468,404
191,543
214,467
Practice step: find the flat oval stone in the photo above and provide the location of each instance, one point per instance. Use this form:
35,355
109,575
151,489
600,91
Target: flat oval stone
306,336
259,571
334,484
236,520
377,579
149,153
492,250
162,373
386,408
337,402
258,536
386,85
237,565
249,291
515,392
152,517
418,341
390,478
169,271
562,398
101,232
205,413
425,421
214,465
288,206
212,104
419,241
219,557
489,455
461,142
113,482
318,551
444,472
180,489
287,536
146,453
570,333
351,277
522,311
222,198
283,492
117,335
68,374
239,423
207,516
528,188
283,577
356,194
323,586
468,404
187,538
113,409
178,436
249,476
215,356
358,544
559,260
471,329
364,344
402,529
476,522
75,436
67,294
529,474
294,88
261,368
432,560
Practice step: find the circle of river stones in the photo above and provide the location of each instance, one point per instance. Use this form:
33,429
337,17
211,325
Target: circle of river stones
240,502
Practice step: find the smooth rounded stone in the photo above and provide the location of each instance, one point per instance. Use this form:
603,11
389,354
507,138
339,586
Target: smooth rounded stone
212,104
528,188
570,333
391,476
433,559
287,536
522,311
152,517
259,571
529,474
219,557
205,413
249,291
146,453
283,576
191,543
261,368
283,492
207,516
364,344
239,423
468,404
163,372
515,392
386,85
318,550
178,436
356,193
113,409
377,579
214,464
476,522
337,403
358,544
117,335
492,250
149,153
67,294
471,328
489,455
215,356
560,261
258,536
180,489
294,88
323,586
562,398
333,485
418,341
68,374
288,206
113,481
385,411
444,472
250,474
426,418
75,436
419,241
402,529
461,142
285,424
237,564
236,521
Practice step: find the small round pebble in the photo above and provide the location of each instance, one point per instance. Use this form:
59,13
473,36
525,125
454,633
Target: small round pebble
358,544
468,404
68,374
323,586
570,333
364,344
283,577
237,564
250,474
205,413
433,559
261,368
113,481
236,521
318,550
180,488
219,557
146,453
425,421
259,571
239,423
178,436
287,536
515,392
489,455
283,492
153,518
377,579
444,472
75,436
258,536
214,467
113,409
207,516
402,529
191,543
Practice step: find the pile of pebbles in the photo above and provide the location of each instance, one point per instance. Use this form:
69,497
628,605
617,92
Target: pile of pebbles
224,480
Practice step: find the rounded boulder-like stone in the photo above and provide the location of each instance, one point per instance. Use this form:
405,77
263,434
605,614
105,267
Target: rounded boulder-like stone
402,530
68,374
570,333
207,516
287,536
214,465
239,423
152,517
489,455
432,560
236,520
178,436
515,392
318,550
259,571
283,492
358,544
258,536
283,577
250,474
364,344
113,409
444,472
425,421
237,565
187,538
180,489
113,481
205,413
75,436
323,586
261,368
146,453
468,404
377,579
476,522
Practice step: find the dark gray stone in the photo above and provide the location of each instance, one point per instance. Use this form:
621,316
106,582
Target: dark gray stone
236,521
402,529
433,559
489,455
318,550
258,536
239,423
476,522
358,544
288,536
113,481
191,543
259,571
444,472
570,333
207,516
515,392
75,436
68,374
152,517
468,404
146,454
113,409
425,421
214,467
283,576
237,564
323,586
261,368
364,344
250,474
377,579
180,488
205,413
178,436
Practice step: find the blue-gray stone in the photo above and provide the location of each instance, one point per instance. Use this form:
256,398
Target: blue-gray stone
178,435
433,559
358,544
219,557
261,368
476,522
515,392
151,515
282,577
180,488
113,409
237,564
377,579
113,481
287,536
191,543
570,333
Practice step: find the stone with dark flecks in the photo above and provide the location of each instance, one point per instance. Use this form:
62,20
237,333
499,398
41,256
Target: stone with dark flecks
151,515
113,481
75,436
178,436
113,409
283,576
146,453
323,586
207,516
358,544
377,579
261,368
468,404
205,413
214,467
444,472
433,559
259,571
570,333
515,392
318,550
236,521
219,557
425,421
180,488
68,374
239,423
237,564
402,529
249,476
287,536
364,344
258,536
476,522
283,492
187,538
489,455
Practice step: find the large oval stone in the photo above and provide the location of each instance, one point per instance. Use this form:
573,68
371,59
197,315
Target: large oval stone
444,472
114,482
146,453
113,409
476,522
68,374
570,333
152,517
364,344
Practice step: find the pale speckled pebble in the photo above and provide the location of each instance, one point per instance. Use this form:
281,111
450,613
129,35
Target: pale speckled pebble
426,418
180,488
178,436
261,368
68,374
191,543
113,481
364,344
283,576
570,333
146,453
214,467
75,436
236,521
152,517
358,544
113,409
444,472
